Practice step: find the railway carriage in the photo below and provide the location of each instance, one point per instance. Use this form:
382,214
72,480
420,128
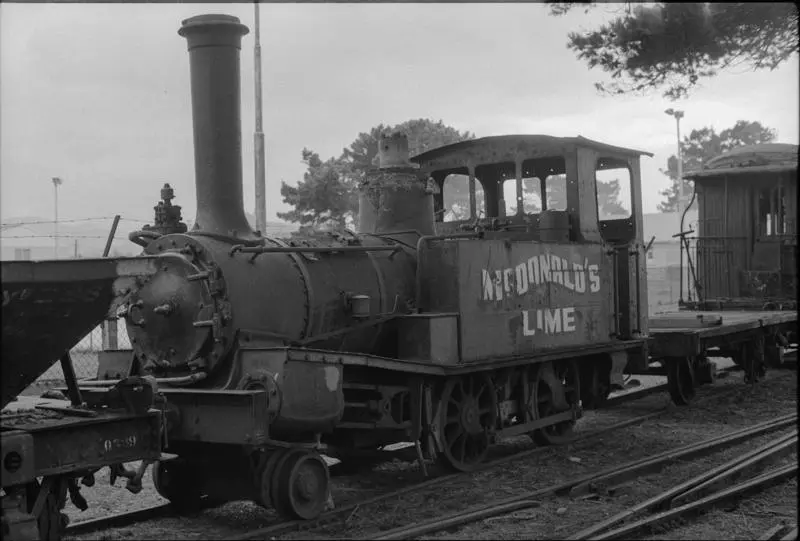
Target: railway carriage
744,254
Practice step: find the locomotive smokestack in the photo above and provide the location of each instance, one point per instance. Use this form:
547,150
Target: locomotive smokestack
214,42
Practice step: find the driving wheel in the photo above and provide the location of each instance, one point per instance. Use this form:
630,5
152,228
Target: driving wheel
468,417
557,390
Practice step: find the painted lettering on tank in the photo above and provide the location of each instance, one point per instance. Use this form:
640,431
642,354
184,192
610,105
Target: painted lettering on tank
548,321
540,269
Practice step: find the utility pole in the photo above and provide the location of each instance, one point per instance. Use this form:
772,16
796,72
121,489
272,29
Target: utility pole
56,183
260,165
76,249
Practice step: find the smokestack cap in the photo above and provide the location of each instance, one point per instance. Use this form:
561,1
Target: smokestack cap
393,151
213,30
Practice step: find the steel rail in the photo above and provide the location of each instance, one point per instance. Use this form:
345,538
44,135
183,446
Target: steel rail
675,494
117,520
760,482
163,510
791,535
772,533
736,470
349,510
469,515
781,532
655,463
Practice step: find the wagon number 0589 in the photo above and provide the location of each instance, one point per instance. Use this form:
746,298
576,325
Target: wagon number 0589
128,442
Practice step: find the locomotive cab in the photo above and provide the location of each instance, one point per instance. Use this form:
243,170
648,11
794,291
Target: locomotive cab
536,190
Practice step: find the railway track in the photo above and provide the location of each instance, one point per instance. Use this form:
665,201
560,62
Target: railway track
118,520
165,510
624,473
781,532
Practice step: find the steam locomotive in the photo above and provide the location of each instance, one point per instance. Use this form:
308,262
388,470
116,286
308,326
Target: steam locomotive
445,334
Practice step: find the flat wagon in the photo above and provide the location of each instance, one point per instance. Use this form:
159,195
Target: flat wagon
48,445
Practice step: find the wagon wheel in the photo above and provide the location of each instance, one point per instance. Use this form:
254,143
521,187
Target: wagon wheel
681,380
595,391
50,520
557,390
272,480
302,485
179,482
774,354
468,416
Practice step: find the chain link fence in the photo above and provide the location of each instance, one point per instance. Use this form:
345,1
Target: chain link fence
85,353
663,288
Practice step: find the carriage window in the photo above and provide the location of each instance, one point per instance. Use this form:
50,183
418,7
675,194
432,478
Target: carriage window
772,215
613,181
556,190
531,195
456,198
550,169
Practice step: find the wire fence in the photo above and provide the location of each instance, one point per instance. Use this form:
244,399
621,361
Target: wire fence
85,354
663,288
663,291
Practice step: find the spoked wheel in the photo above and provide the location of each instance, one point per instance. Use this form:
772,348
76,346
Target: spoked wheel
180,482
681,380
50,521
557,390
301,485
468,416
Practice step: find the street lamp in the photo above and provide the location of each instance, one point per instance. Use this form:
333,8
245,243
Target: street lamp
678,116
56,183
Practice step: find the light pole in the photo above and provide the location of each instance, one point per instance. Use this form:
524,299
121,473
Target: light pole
56,183
260,166
678,116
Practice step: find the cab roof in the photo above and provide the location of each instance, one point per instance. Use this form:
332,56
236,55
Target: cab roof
558,144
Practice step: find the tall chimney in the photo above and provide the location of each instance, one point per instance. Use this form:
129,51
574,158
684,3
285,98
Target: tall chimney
214,42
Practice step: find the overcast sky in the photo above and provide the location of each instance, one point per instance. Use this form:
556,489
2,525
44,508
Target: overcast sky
98,94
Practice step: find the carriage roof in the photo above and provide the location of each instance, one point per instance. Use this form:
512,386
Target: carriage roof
750,159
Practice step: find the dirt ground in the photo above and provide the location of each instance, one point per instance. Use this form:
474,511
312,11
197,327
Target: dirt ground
747,519
553,518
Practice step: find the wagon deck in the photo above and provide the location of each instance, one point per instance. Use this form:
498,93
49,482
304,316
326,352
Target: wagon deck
683,334
61,439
